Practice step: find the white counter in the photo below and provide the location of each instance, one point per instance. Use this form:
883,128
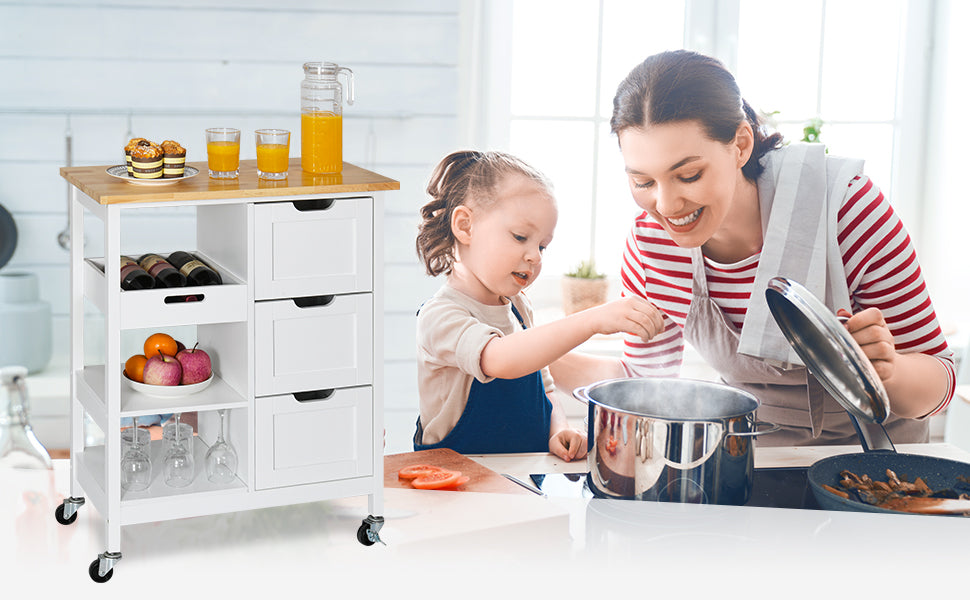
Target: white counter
488,545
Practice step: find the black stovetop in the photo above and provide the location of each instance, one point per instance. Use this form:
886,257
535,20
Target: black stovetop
775,488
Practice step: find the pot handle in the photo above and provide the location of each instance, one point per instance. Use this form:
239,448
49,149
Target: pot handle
771,429
581,394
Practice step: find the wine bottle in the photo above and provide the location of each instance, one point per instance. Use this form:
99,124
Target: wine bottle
134,277
164,273
195,271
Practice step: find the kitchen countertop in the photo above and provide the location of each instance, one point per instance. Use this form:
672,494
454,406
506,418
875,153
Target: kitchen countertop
483,544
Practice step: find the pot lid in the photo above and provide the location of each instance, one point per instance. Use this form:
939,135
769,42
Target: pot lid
829,352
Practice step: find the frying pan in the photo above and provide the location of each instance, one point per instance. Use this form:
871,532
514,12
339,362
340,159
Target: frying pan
8,236
834,358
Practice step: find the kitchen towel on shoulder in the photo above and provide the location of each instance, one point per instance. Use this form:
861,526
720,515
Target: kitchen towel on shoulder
801,191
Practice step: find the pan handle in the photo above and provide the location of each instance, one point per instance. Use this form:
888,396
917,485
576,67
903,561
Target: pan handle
771,429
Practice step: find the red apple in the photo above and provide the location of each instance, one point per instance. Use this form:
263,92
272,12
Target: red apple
162,369
196,365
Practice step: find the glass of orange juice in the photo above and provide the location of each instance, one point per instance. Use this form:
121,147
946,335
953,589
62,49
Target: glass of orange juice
222,146
272,153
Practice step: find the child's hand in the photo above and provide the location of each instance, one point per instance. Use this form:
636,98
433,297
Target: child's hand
568,444
631,314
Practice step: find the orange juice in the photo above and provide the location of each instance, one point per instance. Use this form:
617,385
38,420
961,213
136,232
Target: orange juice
223,156
321,142
272,158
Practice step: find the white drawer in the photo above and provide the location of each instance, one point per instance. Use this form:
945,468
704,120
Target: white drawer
315,346
310,247
317,438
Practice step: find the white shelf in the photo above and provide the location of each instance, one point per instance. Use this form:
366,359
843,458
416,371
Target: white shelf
218,395
200,497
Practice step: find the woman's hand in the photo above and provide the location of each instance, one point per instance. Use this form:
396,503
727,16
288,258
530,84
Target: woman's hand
568,444
630,314
869,329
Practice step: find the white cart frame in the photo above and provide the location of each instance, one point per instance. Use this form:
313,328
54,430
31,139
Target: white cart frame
226,320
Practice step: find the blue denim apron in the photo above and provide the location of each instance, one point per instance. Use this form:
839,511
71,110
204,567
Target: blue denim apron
501,416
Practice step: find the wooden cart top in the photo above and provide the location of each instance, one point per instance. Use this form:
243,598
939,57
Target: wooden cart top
105,189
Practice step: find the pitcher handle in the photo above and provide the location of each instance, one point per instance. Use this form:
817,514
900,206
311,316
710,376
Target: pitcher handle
350,83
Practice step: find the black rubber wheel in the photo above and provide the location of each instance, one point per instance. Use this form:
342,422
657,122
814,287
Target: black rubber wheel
93,572
59,515
362,535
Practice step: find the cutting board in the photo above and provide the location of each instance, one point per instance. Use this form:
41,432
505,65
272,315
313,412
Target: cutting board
480,478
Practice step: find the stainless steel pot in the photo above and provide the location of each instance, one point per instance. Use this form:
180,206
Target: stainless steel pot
671,440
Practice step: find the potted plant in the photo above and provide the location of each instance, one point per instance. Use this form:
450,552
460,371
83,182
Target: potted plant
583,287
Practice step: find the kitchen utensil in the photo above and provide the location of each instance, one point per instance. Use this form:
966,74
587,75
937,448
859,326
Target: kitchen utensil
8,236
19,447
835,359
480,477
671,440
938,473
321,118
221,460
524,484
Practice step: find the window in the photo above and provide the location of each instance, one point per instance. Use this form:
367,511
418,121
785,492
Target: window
842,62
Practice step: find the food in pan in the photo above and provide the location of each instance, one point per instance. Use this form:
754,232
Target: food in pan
895,492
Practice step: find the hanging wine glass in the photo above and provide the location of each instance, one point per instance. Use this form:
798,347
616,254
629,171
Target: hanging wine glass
221,460
136,464
179,464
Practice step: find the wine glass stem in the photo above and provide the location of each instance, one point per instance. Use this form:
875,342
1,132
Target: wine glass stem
222,425
178,427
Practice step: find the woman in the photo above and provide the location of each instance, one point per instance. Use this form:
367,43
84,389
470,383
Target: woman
726,208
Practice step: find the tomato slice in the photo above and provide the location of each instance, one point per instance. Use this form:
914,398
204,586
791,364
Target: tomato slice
412,471
437,480
461,481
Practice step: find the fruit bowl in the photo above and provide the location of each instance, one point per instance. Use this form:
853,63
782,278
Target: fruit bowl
168,391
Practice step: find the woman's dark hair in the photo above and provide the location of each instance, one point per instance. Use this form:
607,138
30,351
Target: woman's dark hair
465,176
681,85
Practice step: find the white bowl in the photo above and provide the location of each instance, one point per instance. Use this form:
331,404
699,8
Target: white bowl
167,391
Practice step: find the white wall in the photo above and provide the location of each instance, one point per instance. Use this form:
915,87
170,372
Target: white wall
109,70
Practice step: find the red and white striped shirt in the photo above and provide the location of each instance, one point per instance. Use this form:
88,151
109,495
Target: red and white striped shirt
881,271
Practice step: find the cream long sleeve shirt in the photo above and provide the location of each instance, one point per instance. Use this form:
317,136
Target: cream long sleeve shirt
452,331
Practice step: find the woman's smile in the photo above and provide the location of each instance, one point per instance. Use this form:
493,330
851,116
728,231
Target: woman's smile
683,223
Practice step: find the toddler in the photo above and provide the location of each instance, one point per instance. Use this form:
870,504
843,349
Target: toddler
483,374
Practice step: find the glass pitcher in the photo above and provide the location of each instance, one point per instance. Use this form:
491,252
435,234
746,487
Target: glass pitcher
321,116
19,447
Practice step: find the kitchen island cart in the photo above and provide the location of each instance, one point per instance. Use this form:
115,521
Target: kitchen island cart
295,332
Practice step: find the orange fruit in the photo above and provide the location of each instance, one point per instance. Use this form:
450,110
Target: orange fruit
135,368
160,342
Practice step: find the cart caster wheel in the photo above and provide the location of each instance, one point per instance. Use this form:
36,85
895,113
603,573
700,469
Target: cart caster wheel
362,535
66,512
367,533
59,515
95,575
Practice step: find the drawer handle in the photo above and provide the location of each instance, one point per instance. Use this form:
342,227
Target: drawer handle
314,395
185,298
311,301
313,204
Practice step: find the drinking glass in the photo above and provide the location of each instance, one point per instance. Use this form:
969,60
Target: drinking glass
222,147
179,464
185,436
221,460
272,153
136,464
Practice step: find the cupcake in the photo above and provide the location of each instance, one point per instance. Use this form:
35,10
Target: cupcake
146,160
173,159
128,148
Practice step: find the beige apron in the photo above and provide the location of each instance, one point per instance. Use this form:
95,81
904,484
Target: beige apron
790,398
